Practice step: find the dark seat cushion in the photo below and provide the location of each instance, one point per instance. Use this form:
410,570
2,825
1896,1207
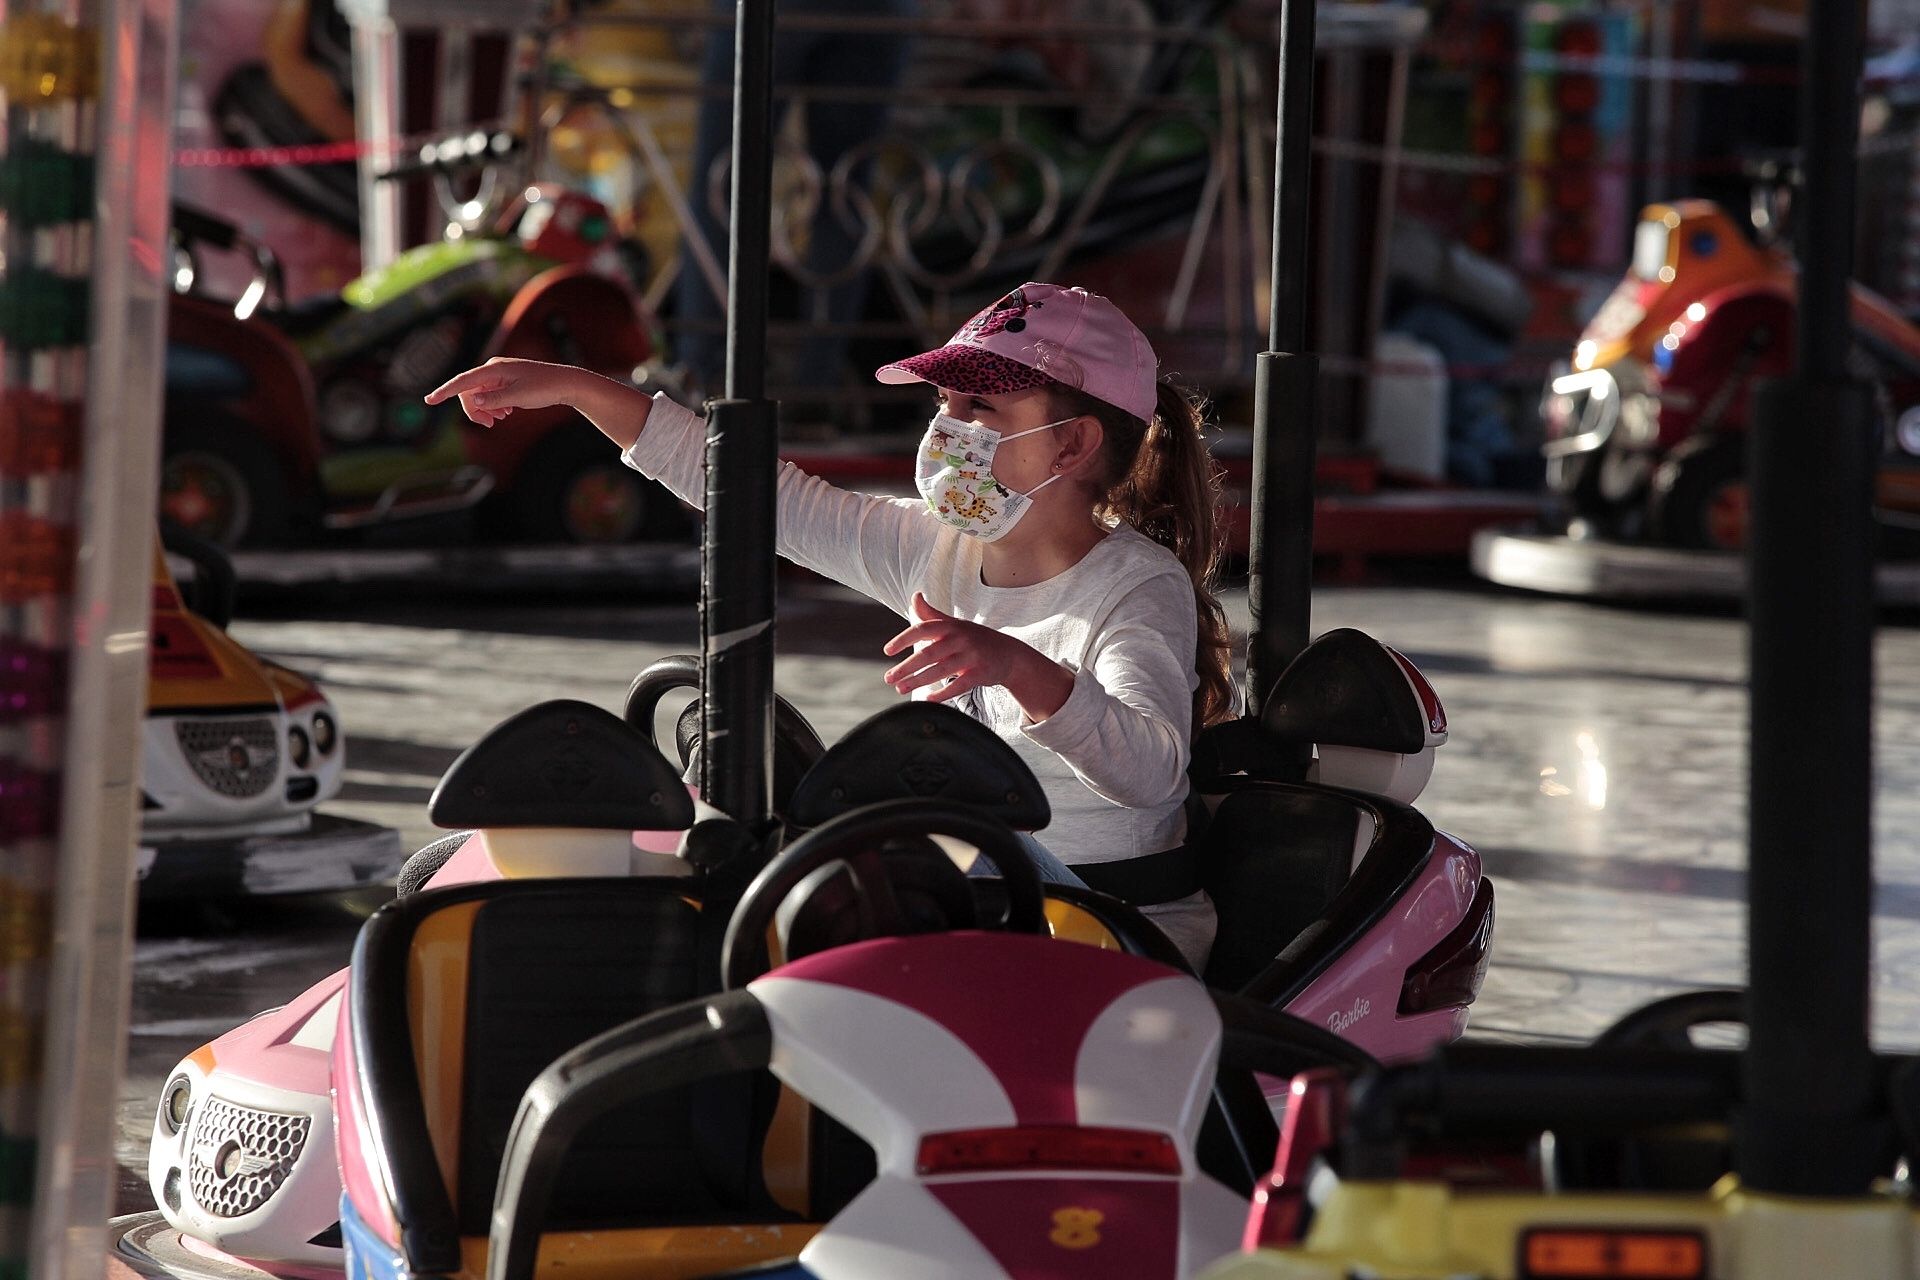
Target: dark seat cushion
551,971
1272,859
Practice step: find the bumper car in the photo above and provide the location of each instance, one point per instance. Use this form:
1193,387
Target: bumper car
1078,1119
242,1160
237,754
1339,902
1648,428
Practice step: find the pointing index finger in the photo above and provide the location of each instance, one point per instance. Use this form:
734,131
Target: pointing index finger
481,379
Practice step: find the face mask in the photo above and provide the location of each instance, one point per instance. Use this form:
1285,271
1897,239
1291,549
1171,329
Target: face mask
954,473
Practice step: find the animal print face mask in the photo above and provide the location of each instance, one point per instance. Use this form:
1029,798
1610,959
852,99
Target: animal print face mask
954,473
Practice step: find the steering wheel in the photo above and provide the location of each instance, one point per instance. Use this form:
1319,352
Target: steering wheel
1668,1023
1690,1158
864,841
796,747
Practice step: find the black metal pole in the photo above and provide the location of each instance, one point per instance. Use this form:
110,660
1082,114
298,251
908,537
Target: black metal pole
1286,382
736,551
1812,1123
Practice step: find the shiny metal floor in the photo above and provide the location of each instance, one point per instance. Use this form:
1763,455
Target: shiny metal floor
1598,761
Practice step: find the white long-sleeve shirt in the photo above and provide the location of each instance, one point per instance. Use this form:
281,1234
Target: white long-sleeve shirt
1113,758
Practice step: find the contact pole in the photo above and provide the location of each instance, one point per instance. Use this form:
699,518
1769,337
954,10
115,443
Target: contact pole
1286,382
736,553
1812,1123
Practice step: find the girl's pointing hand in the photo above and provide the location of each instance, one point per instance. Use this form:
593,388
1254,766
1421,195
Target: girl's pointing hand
498,387
966,655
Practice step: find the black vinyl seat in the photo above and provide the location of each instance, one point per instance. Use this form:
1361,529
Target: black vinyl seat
550,971
1277,859
523,971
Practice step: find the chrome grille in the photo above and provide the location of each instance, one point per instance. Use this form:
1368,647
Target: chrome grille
237,758
239,1156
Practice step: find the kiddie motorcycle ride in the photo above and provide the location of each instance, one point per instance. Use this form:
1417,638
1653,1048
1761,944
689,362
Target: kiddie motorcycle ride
1647,431
286,421
237,753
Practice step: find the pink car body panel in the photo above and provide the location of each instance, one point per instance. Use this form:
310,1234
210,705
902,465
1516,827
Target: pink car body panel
264,1049
1358,997
360,1176
1030,1036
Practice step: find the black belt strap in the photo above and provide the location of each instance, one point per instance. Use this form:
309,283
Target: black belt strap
1145,881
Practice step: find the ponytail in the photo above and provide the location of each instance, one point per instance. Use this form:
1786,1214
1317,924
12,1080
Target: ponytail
1162,481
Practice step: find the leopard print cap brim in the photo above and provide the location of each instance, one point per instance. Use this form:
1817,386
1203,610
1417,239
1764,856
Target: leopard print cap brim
971,371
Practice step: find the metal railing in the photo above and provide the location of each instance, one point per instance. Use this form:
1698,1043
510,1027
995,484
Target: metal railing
967,190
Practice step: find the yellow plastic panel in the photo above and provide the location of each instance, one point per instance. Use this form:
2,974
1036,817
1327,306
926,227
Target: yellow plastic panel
437,1016
1423,1231
1072,923
652,1253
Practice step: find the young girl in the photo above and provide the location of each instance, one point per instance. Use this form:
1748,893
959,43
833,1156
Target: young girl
1055,569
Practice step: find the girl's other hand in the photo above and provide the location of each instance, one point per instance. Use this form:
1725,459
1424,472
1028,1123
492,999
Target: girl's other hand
966,655
498,387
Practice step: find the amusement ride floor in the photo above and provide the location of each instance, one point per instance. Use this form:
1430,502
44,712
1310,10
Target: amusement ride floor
1597,760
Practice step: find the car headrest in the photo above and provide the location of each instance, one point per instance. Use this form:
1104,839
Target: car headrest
1378,773
563,763
927,751
1346,689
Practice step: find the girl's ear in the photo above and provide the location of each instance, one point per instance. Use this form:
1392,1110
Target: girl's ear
1080,440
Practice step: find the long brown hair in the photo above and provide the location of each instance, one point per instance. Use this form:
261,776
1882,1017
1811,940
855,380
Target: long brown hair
1160,479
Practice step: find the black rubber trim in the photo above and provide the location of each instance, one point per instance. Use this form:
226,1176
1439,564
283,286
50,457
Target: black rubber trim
1258,1037
710,1037
1239,1135
222,709
392,1111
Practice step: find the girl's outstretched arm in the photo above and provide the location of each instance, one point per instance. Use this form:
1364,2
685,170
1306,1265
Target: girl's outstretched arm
492,391
875,545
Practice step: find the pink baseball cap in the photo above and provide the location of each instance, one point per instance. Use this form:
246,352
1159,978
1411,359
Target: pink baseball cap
1037,334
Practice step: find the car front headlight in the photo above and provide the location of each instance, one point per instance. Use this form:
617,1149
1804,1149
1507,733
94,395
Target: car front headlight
176,1104
326,735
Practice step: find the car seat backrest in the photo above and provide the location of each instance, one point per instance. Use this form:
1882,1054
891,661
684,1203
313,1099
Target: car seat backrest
1372,718
562,764
545,974
922,750
1272,858
489,984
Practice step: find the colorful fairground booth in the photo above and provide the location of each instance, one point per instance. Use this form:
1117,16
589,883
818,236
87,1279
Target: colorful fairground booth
840,1106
